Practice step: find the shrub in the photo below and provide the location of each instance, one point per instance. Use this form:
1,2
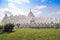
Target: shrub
8,27
1,27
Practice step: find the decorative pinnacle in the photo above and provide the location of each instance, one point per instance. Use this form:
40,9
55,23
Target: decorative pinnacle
30,9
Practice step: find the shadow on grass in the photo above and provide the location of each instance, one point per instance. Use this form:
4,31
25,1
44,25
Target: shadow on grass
6,32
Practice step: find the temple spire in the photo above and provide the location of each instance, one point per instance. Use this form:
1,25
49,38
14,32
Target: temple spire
30,14
30,9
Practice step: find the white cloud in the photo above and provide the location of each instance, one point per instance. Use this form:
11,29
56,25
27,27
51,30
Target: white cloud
40,7
54,13
15,10
11,5
5,9
19,1
37,14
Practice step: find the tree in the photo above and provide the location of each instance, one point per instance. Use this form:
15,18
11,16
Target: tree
8,27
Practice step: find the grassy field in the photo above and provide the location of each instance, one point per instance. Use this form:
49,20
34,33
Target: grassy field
32,34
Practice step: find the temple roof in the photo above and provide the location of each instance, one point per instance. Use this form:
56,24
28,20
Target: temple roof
30,14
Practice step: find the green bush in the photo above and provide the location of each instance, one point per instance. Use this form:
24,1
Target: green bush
1,26
8,27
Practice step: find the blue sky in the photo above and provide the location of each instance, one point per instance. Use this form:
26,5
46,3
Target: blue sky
48,8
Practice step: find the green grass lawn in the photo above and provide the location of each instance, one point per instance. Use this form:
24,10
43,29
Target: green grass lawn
32,34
